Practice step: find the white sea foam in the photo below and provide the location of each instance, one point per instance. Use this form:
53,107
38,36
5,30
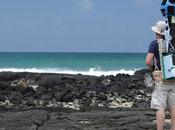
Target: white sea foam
91,71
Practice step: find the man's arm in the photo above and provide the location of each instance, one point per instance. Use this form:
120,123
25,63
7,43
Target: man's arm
149,60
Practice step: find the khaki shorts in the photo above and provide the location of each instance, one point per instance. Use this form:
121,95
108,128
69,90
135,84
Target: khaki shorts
163,95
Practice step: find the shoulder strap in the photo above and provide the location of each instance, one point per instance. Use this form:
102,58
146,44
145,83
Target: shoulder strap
155,64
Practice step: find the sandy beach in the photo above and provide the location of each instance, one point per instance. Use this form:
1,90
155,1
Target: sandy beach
47,101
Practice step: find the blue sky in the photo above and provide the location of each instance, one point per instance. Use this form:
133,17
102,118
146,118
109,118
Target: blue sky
78,25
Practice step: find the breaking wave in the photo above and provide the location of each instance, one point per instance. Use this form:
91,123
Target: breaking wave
91,71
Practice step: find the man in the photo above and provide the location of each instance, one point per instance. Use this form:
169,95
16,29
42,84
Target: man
165,91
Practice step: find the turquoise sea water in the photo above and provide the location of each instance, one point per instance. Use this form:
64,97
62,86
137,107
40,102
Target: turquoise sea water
73,63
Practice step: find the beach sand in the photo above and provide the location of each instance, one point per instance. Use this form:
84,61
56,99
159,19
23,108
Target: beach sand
43,101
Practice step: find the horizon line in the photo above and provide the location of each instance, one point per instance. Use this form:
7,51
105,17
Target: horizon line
66,52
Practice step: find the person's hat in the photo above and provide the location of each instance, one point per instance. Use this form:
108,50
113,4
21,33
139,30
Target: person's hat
159,27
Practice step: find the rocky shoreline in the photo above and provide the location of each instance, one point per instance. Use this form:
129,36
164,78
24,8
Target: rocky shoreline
43,101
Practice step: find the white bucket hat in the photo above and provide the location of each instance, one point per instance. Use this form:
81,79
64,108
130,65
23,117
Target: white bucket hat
159,27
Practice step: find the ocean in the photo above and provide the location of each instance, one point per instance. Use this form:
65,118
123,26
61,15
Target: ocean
72,63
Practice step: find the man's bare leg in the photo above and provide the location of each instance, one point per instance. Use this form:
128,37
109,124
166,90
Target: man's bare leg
160,117
172,118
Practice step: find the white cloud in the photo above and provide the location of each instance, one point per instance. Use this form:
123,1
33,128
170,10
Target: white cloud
86,5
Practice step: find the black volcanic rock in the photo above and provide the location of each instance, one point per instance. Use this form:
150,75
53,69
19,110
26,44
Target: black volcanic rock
141,73
62,101
19,87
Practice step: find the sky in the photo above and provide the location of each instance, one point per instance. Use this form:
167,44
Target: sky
77,25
